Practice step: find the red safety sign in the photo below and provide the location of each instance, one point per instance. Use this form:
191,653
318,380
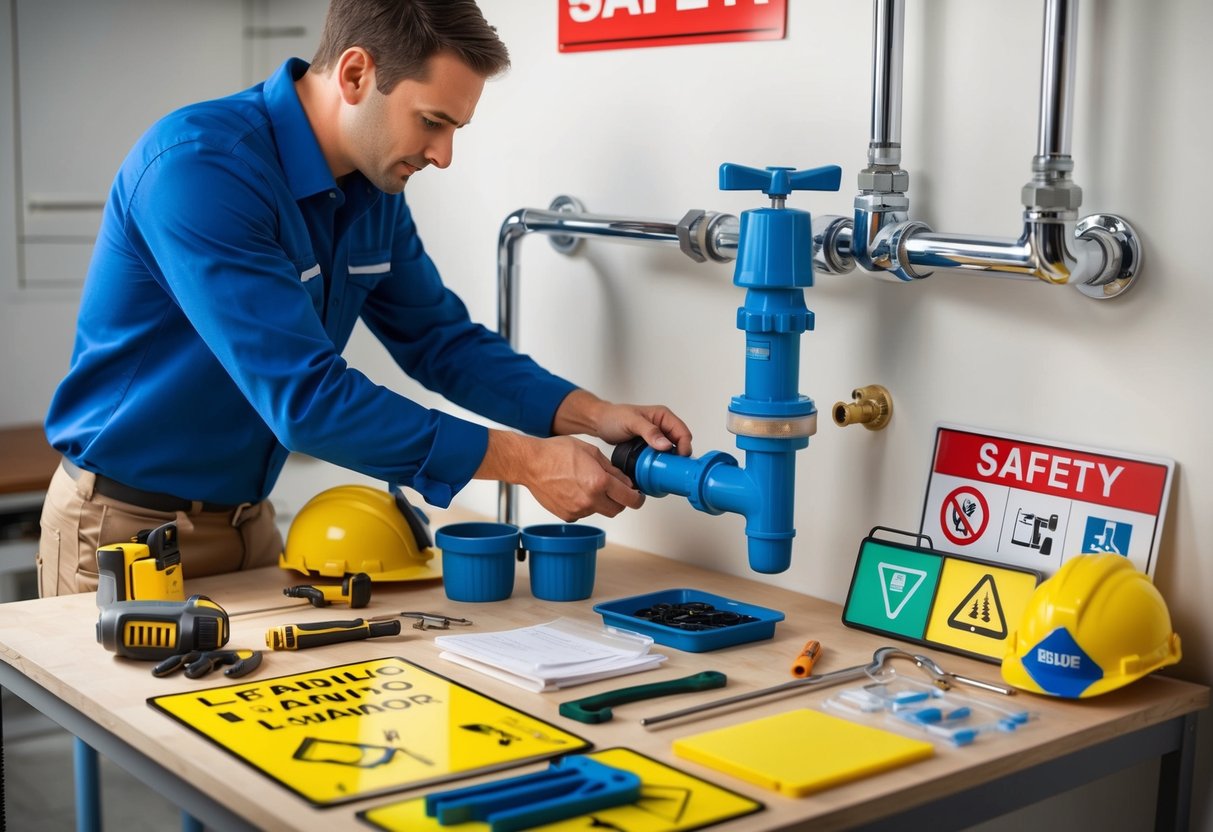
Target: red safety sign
1092,477
586,25
1032,503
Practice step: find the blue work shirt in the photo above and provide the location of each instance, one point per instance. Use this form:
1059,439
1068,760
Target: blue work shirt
227,276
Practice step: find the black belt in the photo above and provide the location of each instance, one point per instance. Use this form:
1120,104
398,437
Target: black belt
136,497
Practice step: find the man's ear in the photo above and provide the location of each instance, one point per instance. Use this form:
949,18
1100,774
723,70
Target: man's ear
355,74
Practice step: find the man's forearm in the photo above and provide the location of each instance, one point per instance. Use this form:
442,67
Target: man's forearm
506,457
579,413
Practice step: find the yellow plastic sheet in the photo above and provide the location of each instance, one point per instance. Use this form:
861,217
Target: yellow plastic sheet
349,732
800,752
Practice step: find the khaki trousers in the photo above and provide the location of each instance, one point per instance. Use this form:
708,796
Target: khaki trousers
75,522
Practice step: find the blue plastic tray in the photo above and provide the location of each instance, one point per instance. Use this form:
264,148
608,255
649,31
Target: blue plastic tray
619,614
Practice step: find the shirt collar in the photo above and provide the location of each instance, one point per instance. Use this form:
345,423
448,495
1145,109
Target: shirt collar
307,171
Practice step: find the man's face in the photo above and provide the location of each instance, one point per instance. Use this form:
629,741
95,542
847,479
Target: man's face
391,137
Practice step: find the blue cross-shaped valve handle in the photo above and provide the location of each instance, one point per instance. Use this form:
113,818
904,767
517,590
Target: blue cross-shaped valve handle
778,182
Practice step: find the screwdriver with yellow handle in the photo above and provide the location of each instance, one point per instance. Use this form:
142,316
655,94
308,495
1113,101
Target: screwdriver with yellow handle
320,633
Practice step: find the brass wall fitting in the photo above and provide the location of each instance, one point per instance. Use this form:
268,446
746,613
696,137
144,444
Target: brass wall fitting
872,407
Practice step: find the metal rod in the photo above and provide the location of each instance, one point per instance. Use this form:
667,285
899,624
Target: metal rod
823,681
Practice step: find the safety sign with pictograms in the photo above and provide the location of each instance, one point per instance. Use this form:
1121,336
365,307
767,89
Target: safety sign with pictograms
349,732
916,593
670,800
1033,503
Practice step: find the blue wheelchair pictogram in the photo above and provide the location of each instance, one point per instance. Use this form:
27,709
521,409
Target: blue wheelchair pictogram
1102,535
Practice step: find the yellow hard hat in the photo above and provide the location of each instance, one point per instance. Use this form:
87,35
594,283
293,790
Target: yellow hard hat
356,528
1095,626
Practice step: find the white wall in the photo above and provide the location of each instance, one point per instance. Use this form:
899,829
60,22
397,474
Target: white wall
641,132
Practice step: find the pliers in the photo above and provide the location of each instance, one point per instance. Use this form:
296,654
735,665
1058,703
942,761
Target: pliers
198,663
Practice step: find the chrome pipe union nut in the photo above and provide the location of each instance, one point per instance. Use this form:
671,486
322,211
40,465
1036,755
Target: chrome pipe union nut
1062,195
692,244
893,180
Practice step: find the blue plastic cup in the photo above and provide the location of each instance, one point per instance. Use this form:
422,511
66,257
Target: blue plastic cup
478,560
563,558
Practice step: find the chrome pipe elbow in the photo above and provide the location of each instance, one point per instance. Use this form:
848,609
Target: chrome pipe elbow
881,232
1093,255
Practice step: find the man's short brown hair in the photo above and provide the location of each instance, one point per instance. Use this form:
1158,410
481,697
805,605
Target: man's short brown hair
401,35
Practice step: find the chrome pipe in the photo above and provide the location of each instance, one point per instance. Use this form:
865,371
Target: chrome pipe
1057,78
1045,251
1007,256
882,201
567,224
888,44
580,224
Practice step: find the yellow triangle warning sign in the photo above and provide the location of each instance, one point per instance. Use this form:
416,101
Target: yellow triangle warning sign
981,611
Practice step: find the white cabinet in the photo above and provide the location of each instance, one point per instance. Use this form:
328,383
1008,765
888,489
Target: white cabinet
92,75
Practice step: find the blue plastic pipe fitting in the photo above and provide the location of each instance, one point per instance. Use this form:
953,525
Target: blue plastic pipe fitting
770,419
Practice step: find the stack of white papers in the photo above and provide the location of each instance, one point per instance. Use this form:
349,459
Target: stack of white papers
559,654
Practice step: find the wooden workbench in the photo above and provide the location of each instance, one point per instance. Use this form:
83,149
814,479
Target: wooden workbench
48,656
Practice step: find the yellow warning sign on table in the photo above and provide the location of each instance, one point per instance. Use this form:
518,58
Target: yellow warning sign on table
977,605
670,801
348,732
917,594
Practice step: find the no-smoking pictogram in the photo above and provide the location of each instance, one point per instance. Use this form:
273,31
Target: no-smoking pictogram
964,515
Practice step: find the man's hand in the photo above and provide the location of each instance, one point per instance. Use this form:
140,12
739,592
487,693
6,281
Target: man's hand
583,412
569,478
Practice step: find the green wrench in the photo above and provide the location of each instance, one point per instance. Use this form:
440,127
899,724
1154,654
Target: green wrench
595,709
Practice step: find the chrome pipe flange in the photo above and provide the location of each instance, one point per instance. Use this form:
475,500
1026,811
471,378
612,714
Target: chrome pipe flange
566,243
1115,231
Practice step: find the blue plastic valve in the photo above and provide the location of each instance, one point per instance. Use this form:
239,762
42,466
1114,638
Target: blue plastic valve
778,182
771,418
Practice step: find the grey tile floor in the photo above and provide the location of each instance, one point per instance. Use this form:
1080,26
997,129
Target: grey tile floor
39,787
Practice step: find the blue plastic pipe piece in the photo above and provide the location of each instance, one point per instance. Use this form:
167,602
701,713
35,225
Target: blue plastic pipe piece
571,786
714,483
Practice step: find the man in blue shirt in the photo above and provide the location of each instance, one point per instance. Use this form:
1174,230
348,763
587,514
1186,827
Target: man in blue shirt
241,241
